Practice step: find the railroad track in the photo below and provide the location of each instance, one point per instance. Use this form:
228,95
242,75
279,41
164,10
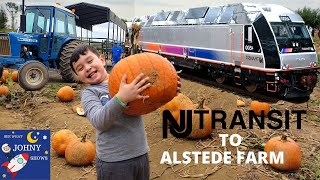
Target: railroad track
260,94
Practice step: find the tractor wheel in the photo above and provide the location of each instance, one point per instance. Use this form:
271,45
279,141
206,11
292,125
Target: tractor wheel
65,70
33,75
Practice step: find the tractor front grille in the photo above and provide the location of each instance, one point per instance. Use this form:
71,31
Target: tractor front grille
4,45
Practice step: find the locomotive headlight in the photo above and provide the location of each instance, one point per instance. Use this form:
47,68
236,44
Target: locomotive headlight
285,66
276,76
313,64
288,66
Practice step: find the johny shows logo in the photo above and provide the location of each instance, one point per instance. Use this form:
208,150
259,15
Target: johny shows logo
25,154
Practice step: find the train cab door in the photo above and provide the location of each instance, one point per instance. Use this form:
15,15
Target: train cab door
252,57
251,43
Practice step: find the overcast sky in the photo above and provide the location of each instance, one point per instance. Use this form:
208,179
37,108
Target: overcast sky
128,9
134,8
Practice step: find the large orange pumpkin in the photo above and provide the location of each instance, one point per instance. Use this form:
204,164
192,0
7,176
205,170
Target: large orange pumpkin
292,155
80,152
257,107
162,74
61,139
65,94
5,75
196,132
4,90
180,102
14,76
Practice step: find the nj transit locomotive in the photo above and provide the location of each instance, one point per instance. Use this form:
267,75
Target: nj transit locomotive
259,46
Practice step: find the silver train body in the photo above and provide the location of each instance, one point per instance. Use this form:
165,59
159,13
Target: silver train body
259,46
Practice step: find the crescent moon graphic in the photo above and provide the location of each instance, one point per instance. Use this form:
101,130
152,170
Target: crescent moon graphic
29,138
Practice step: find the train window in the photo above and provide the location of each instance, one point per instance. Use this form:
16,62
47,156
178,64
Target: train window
162,16
251,43
280,30
227,14
149,22
299,31
212,15
175,16
196,13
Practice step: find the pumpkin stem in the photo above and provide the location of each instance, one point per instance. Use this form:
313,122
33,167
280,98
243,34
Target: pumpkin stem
284,137
84,138
201,103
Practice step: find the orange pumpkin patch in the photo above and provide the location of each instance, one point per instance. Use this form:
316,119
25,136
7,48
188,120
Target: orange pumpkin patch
80,152
162,74
291,152
61,139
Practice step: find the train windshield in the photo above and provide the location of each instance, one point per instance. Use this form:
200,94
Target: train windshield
292,37
290,31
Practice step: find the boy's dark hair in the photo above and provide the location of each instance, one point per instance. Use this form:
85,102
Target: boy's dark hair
81,50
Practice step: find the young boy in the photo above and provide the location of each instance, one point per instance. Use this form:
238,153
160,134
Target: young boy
121,140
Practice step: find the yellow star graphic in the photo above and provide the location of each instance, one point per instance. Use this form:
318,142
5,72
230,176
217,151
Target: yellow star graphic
4,175
46,152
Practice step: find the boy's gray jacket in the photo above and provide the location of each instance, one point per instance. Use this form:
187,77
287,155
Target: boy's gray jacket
118,136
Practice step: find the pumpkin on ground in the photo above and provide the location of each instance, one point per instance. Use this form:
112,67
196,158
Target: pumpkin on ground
257,107
240,103
14,76
65,94
196,132
4,90
180,102
5,75
292,155
80,152
162,76
61,139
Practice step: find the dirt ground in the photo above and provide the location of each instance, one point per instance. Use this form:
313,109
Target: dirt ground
42,110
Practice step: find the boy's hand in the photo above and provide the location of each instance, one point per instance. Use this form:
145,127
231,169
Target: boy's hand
179,86
130,92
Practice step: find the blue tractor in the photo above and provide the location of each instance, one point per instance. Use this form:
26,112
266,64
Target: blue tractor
47,41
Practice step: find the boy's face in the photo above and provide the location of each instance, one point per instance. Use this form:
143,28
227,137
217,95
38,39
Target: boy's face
90,68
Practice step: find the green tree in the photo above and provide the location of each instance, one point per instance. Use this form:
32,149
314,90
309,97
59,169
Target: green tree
124,20
3,19
138,20
13,9
310,16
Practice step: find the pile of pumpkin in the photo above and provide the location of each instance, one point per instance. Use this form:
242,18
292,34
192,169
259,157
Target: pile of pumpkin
77,151
13,75
291,150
